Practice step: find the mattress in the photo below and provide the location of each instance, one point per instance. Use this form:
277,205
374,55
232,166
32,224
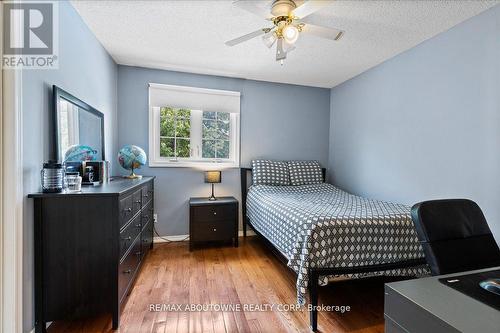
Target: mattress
321,225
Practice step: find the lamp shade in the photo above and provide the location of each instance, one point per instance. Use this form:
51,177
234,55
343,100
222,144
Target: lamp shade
213,177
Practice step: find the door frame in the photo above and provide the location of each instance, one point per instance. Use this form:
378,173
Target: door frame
11,198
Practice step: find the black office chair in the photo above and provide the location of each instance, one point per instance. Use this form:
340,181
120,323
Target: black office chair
455,236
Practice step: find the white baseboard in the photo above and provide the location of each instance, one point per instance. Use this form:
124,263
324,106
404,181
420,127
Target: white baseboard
174,238
179,238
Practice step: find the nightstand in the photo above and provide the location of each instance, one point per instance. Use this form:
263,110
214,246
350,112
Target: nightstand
215,220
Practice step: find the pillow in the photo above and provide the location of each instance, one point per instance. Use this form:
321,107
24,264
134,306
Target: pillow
265,172
305,172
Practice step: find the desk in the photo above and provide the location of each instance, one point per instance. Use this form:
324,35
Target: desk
427,305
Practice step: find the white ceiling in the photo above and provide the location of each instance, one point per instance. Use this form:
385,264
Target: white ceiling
189,36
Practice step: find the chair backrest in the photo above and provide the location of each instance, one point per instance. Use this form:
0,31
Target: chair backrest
455,236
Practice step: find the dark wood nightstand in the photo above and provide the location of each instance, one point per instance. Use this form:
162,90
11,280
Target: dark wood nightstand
213,220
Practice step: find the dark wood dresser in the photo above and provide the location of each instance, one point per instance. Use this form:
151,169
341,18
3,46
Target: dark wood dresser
215,220
89,247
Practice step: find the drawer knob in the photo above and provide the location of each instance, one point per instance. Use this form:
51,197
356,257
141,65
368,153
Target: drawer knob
144,240
146,195
215,213
138,253
128,271
138,201
138,225
215,229
128,238
128,209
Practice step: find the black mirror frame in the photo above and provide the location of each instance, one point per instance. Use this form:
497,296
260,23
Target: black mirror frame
57,94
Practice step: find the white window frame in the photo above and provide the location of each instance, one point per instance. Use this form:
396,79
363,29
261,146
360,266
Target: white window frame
155,160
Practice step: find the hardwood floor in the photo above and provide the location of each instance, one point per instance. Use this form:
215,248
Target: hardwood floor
249,274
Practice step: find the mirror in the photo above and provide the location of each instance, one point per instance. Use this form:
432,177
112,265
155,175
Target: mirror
76,123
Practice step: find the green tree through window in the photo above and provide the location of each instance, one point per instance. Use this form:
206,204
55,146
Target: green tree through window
175,132
215,134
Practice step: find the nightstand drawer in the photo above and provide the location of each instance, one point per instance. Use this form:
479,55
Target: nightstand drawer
213,230
214,213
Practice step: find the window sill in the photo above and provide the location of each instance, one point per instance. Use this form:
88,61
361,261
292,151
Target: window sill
194,165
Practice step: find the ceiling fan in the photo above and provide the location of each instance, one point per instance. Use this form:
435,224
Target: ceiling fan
289,20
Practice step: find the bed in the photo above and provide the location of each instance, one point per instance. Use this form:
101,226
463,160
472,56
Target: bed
322,232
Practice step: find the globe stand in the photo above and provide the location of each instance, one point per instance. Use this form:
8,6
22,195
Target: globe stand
133,176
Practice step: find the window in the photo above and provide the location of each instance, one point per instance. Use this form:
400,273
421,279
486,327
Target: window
215,135
193,127
175,132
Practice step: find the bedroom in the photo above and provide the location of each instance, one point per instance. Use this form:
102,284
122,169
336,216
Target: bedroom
394,103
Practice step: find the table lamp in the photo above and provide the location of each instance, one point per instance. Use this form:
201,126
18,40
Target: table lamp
213,177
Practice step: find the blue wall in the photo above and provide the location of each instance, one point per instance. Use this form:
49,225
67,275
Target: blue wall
425,124
86,71
278,121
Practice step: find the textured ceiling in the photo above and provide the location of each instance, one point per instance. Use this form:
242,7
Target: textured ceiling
189,36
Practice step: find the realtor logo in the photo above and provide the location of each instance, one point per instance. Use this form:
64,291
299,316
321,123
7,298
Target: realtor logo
30,36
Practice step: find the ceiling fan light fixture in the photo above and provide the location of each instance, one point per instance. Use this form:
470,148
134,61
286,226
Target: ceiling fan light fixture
282,7
269,39
290,34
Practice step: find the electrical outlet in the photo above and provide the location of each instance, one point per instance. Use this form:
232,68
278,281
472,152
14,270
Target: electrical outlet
155,218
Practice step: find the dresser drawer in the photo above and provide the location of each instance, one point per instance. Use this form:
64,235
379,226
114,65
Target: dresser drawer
129,234
213,230
128,267
125,210
147,238
136,201
147,192
214,212
147,214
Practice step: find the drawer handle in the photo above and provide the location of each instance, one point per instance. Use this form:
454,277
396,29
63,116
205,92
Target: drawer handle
138,253
145,241
128,238
128,271
138,201
138,225
146,195
215,213
215,229
128,209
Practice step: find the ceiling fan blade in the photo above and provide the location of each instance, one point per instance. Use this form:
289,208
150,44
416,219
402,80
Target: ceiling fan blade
323,32
246,37
251,6
309,7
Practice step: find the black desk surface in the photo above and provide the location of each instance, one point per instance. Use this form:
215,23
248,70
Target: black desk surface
451,306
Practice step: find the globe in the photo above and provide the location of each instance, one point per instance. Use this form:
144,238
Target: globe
132,157
79,153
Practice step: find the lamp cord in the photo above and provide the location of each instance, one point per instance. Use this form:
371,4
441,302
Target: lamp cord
166,239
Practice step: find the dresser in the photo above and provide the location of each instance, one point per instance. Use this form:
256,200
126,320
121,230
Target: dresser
89,248
213,220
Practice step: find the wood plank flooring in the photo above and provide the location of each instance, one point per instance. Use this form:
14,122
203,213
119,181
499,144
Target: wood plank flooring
218,275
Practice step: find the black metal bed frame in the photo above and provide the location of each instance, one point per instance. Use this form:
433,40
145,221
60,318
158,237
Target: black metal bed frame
315,273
